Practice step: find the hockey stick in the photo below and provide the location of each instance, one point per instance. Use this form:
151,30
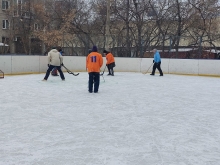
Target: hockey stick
148,69
103,71
101,74
103,78
70,71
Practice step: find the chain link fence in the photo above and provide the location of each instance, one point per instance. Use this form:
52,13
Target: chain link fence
120,46
183,47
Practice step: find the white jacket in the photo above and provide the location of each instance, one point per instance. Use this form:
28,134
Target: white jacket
55,58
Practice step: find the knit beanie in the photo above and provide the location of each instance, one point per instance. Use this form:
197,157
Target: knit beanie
94,49
105,51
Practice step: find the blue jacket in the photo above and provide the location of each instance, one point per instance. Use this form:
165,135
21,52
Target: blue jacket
157,57
61,52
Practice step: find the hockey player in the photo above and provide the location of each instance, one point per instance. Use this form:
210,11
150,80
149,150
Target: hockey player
157,62
110,62
54,60
54,71
94,62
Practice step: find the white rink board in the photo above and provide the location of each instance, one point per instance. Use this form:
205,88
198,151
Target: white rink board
25,64
207,67
5,64
38,64
183,66
124,64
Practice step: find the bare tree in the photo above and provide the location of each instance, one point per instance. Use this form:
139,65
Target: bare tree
130,27
204,27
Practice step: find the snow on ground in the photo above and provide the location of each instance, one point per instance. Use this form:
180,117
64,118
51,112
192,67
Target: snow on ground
135,119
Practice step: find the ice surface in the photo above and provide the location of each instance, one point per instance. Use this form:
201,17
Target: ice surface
135,119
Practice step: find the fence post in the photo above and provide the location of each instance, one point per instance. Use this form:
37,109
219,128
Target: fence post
200,47
141,55
170,45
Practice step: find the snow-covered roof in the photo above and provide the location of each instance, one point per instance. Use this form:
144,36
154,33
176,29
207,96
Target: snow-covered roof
2,44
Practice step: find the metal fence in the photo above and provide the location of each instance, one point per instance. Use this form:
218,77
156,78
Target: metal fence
183,47
172,47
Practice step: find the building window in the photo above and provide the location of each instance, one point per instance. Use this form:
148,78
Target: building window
5,40
15,13
5,5
17,8
36,27
5,24
26,15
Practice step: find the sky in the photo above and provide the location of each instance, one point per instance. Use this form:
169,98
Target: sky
135,119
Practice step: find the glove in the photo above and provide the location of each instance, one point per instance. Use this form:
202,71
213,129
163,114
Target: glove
153,61
48,65
62,64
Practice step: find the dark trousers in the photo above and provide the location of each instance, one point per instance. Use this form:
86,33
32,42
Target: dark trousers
50,68
110,68
94,77
157,66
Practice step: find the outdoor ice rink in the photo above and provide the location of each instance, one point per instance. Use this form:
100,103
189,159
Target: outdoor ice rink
135,119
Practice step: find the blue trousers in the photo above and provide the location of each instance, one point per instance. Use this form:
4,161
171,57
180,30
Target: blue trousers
94,79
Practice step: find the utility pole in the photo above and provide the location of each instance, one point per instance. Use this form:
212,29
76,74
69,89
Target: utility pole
139,28
29,27
128,48
107,33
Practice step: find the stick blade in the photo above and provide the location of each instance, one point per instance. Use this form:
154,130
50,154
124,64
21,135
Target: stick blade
76,74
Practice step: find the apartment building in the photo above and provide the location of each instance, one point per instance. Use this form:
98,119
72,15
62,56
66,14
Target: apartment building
14,15
18,23
4,26
10,15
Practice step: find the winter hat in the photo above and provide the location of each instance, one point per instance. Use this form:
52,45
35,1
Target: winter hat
105,51
154,50
94,49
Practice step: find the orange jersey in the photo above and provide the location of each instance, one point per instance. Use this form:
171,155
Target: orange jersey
94,62
110,58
